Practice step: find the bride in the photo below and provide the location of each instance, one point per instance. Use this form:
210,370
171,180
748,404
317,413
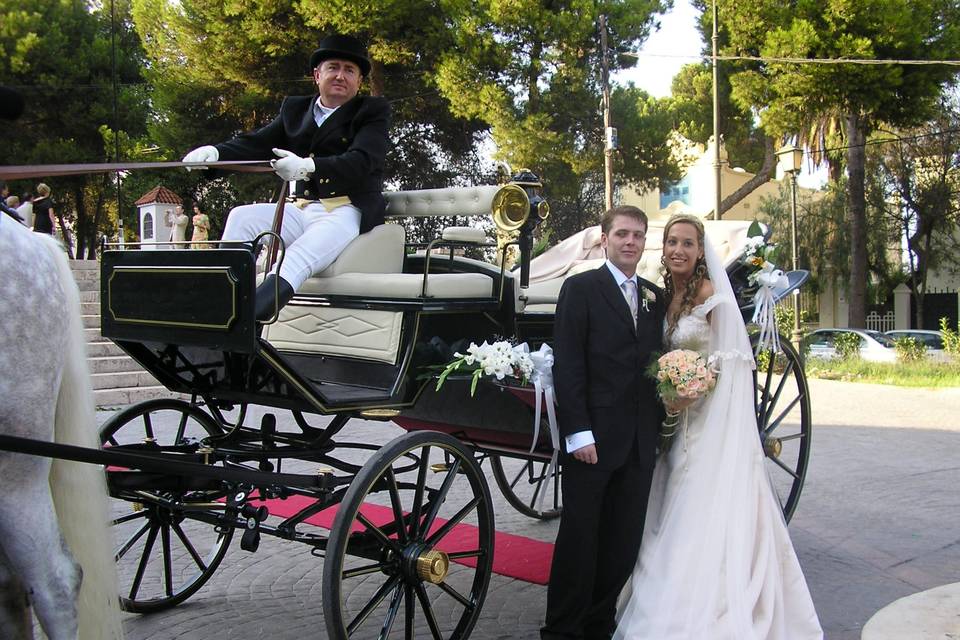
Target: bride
716,561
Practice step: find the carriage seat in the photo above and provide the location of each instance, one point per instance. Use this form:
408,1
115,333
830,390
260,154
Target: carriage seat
372,266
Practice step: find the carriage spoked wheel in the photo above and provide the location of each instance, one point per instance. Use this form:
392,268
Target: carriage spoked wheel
165,551
525,485
411,548
782,402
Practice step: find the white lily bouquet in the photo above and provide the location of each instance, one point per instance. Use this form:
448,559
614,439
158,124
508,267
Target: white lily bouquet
500,360
762,255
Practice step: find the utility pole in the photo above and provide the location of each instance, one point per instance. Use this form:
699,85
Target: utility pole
609,133
716,118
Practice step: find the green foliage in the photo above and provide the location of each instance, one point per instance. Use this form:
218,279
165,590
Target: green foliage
951,339
847,346
923,373
912,179
818,102
59,55
530,71
909,349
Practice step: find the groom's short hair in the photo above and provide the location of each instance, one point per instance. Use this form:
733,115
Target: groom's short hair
606,222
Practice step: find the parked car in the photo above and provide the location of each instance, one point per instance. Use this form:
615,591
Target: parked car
932,340
874,346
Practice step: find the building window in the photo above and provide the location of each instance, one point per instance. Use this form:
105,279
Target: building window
147,226
677,191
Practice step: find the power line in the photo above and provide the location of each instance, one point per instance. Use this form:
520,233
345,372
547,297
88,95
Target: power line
861,61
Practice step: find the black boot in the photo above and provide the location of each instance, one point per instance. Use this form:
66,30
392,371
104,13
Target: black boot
272,294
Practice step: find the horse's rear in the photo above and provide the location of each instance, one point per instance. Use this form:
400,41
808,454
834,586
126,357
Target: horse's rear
45,385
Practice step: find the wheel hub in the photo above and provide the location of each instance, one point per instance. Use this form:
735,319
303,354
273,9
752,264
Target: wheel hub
772,447
433,566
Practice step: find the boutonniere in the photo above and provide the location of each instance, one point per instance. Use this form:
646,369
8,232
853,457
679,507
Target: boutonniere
647,298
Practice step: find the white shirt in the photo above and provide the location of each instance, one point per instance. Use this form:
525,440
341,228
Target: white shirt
584,438
320,112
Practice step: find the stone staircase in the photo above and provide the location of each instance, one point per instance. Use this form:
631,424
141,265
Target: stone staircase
117,379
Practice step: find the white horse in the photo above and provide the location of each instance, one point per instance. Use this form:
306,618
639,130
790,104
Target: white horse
45,394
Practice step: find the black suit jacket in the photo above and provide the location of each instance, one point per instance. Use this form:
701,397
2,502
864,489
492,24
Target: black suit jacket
600,364
348,149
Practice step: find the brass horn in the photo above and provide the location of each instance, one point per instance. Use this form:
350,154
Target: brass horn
510,207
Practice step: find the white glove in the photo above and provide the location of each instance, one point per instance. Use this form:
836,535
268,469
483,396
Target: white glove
207,153
290,166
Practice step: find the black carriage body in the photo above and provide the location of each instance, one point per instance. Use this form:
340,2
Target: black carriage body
187,317
179,297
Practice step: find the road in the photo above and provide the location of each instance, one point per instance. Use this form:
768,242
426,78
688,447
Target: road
878,520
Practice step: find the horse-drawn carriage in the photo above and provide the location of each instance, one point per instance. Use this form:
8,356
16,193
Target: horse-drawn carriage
411,523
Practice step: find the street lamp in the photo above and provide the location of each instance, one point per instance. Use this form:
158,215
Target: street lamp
790,159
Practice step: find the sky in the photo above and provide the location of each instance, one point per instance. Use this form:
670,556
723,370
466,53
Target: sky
675,44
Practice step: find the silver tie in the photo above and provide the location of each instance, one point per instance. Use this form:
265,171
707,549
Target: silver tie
630,293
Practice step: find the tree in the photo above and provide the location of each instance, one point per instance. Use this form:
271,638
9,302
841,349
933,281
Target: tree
60,56
221,70
916,183
852,99
530,70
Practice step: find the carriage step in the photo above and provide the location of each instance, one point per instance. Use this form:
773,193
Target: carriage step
130,395
123,379
112,364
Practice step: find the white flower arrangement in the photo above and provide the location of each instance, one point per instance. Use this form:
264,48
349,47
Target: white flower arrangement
500,360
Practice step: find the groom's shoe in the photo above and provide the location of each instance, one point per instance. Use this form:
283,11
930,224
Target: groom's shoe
272,294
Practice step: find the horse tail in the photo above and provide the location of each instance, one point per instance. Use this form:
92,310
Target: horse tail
79,490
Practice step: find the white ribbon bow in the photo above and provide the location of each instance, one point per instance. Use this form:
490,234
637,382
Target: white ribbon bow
764,302
542,379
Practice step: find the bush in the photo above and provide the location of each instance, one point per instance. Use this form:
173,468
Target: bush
951,338
909,349
847,346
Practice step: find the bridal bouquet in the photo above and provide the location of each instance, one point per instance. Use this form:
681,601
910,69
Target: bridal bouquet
681,374
500,360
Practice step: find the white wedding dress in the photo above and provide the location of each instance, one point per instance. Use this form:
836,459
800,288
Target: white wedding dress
716,561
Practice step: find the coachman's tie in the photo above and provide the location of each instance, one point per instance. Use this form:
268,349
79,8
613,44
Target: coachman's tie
630,293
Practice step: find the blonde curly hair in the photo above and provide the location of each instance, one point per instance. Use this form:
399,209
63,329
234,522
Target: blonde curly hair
689,294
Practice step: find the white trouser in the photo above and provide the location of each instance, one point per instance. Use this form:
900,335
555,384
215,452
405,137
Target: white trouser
313,236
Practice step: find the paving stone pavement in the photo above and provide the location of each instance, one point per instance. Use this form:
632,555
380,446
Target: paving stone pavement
878,520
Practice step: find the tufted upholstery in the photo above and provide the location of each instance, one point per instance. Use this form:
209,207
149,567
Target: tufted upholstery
453,201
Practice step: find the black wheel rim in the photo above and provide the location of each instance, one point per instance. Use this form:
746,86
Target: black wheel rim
166,547
782,402
371,586
525,485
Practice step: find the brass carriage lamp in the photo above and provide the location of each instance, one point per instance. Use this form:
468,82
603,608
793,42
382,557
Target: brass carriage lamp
790,159
520,206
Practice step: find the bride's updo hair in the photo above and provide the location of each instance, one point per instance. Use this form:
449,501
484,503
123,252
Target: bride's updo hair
689,292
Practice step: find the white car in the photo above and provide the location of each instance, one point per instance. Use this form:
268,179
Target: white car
874,346
932,340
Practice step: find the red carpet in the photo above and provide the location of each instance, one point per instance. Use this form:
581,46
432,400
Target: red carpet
514,556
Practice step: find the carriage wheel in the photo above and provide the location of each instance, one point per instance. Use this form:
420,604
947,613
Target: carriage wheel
782,402
164,553
522,482
410,541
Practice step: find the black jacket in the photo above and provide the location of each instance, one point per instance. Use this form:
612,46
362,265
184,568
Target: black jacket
600,363
348,149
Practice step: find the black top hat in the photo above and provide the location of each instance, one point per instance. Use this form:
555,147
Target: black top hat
343,47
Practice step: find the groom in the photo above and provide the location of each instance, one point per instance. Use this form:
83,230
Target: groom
608,325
